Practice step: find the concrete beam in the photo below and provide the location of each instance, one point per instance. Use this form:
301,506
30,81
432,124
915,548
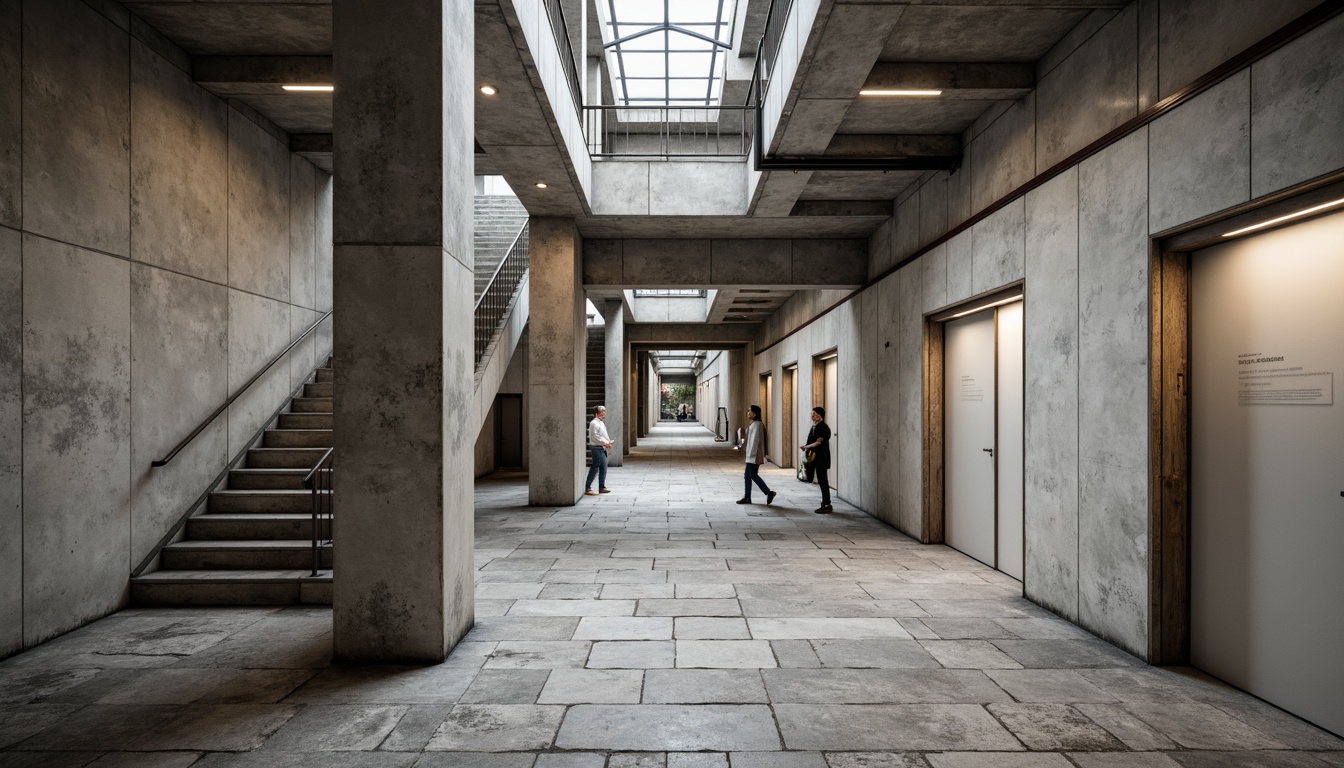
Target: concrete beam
875,208
259,75
894,145
956,80
780,264
645,336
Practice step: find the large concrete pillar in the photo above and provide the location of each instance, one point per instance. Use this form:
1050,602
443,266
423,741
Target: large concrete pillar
613,314
631,407
556,347
402,292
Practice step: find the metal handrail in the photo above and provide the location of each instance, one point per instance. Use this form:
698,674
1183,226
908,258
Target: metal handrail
663,131
560,31
495,300
313,482
221,409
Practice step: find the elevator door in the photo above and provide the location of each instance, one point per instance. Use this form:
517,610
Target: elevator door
1267,467
968,435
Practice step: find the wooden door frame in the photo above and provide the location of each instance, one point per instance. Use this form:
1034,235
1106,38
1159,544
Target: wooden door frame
788,407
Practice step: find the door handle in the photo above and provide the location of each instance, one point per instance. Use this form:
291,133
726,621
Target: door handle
990,451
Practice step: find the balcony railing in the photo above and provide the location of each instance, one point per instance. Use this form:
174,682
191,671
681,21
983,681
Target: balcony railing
560,30
662,131
498,295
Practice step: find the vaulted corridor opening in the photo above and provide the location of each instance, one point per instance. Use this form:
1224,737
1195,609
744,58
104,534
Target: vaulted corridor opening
659,625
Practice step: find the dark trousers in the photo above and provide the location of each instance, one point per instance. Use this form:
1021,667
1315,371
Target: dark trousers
825,484
753,474
599,467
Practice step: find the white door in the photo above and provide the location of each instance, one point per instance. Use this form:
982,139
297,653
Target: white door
968,435
1008,449
833,415
1267,467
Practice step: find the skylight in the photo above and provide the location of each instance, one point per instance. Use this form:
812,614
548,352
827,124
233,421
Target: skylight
667,52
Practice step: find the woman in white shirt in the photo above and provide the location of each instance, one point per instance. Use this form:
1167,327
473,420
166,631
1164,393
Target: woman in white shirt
755,451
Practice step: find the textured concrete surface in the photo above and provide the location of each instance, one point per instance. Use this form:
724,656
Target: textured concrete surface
258,209
11,114
1200,156
11,440
76,435
556,359
613,314
257,687
781,263
302,232
258,331
76,112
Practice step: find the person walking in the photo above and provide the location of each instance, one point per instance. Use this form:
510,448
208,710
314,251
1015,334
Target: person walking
599,441
819,443
755,451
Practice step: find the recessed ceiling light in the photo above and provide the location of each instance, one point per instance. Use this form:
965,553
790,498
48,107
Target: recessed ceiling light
307,88
1272,222
489,90
541,185
925,92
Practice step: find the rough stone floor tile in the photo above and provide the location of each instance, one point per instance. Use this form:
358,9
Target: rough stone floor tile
322,728
694,607
826,628
593,686
497,728
877,653
1062,686
218,728
571,592
725,654
539,655
707,628
876,760
146,760
778,760
416,728
641,654
703,686
968,654
885,686
638,760
795,654
895,727
1123,760
472,760
997,760
705,591
571,760
624,628
1053,727
1201,726
385,684
572,608
687,728
1201,759
697,760
505,686
637,591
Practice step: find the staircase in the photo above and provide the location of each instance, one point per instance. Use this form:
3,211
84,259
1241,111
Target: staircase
498,219
596,377
253,543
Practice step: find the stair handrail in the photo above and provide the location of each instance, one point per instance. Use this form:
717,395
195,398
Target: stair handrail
312,481
221,409
492,306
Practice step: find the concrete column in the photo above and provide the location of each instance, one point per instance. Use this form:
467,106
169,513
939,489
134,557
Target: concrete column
631,385
556,352
613,314
402,292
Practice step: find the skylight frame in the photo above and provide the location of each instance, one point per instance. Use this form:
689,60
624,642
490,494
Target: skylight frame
618,33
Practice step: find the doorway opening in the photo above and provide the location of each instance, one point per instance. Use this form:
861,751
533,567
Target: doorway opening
788,417
509,444
1247,505
981,431
767,394
826,393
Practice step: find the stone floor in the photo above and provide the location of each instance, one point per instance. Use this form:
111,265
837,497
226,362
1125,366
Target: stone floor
660,625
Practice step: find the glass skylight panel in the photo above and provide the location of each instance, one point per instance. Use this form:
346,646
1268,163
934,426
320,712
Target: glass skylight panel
667,52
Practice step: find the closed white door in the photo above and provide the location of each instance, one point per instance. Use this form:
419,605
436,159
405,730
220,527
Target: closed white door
1267,467
968,435
1008,449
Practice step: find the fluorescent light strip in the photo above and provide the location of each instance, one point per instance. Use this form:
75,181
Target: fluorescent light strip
309,88
900,92
983,307
1272,222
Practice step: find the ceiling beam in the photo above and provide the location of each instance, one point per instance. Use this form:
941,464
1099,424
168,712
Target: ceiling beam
955,80
877,208
894,145
259,75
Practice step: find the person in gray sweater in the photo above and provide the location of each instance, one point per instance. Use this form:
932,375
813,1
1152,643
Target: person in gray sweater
755,455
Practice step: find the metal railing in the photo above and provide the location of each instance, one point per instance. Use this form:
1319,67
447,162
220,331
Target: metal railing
498,294
560,30
319,481
661,131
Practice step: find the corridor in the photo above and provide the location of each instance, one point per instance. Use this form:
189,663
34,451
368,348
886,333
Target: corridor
660,625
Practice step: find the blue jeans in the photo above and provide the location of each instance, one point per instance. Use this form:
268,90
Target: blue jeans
598,469
753,474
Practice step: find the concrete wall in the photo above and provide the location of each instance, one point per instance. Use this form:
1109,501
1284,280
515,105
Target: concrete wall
157,246
1081,244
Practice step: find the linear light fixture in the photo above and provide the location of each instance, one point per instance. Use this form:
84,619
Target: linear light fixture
309,88
982,307
916,92
1289,217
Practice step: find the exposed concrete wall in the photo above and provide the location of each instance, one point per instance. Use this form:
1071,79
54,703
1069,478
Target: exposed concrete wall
683,188
782,264
1081,243
156,248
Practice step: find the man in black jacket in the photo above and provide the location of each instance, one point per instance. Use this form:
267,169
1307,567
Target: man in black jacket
819,442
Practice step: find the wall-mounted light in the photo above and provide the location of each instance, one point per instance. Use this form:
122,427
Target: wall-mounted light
542,185
489,90
309,88
982,307
908,92
1289,217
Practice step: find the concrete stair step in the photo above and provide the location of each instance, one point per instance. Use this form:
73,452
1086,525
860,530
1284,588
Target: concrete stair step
326,374
312,405
269,478
261,526
258,587
260,501
319,389
297,438
241,555
284,458
307,420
